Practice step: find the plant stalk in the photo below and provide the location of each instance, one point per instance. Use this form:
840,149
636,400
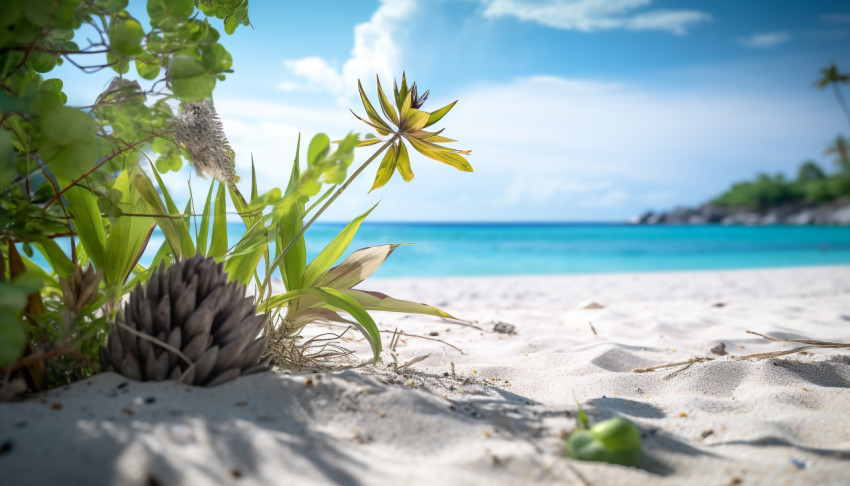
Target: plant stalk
325,206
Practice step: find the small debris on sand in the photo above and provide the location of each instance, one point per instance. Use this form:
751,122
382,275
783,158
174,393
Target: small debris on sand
590,305
719,350
504,328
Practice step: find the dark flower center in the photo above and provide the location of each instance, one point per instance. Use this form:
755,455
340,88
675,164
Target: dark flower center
417,101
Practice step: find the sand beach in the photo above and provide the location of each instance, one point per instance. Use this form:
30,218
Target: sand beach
491,399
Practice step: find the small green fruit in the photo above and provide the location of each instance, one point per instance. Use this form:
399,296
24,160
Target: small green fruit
615,441
125,37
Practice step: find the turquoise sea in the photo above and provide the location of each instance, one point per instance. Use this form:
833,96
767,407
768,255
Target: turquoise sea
453,249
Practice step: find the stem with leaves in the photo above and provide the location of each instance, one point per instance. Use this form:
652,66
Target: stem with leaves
325,206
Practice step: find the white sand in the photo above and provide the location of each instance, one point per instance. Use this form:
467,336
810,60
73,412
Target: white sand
778,421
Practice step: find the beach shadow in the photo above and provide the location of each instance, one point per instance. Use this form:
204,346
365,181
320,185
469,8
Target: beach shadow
624,406
831,373
779,442
232,439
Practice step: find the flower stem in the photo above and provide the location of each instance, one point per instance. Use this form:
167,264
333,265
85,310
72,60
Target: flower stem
325,206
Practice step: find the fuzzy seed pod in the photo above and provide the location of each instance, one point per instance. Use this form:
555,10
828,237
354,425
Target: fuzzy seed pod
200,131
194,310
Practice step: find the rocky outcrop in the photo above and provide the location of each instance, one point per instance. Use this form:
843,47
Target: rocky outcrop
795,213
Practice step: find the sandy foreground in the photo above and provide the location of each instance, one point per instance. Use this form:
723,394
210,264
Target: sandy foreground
502,416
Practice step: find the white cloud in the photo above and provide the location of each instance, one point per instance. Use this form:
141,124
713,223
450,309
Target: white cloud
838,18
764,40
375,52
594,15
550,148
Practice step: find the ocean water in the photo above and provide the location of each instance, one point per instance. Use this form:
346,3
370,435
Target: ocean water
480,249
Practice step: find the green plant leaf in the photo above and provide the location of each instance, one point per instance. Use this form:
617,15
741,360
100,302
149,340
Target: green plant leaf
125,36
67,144
204,230
179,10
13,337
291,222
148,66
190,81
58,260
386,169
404,163
381,302
218,244
176,230
386,107
7,154
331,253
444,156
318,149
379,123
82,205
435,116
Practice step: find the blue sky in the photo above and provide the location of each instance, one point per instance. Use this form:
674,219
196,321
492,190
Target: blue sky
574,109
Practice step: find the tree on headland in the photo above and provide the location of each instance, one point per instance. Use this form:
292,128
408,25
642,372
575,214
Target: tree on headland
841,149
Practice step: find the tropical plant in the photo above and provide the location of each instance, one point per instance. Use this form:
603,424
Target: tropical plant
68,175
78,175
830,75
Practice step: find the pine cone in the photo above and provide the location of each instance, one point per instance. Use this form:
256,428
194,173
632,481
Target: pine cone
192,308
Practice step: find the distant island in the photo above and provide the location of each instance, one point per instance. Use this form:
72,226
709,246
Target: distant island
813,197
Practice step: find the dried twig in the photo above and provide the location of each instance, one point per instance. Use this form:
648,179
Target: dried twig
812,344
592,328
413,361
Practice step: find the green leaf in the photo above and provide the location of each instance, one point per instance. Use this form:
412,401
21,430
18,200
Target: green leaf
437,115
67,141
159,10
357,267
148,66
88,224
111,6
218,244
204,230
318,149
58,260
216,59
295,261
404,163
339,300
7,162
386,169
386,107
190,81
128,235
176,230
448,158
331,253
13,337
381,302
379,124
42,62
125,37
416,119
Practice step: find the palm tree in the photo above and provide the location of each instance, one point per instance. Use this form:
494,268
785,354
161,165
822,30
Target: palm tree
841,149
831,75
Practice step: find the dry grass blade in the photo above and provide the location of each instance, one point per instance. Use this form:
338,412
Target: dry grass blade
413,361
402,333
812,344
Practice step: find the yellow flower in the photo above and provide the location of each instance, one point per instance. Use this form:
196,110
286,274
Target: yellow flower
406,122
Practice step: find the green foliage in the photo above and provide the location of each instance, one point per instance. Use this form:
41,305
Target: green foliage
79,173
70,172
615,441
764,193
